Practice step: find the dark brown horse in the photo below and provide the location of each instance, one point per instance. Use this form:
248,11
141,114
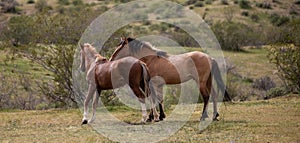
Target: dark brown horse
175,69
103,75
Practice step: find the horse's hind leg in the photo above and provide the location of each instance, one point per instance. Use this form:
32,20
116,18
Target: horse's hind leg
95,103
144,109
91,92
215,98
205,94
159,93
138,93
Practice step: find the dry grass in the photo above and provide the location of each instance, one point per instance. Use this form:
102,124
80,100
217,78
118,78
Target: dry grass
275,120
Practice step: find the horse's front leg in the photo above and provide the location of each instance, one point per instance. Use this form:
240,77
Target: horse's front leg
95,103
91,92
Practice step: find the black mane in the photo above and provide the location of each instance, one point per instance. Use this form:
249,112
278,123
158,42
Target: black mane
137,45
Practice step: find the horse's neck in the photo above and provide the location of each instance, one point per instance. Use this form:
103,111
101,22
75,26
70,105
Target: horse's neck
90,59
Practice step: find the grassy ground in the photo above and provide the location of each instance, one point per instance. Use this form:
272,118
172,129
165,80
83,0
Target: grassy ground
275,120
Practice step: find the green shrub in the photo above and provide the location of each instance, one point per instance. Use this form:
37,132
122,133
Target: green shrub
9,6
208,2
42,106
264,5
42,5
287,33
276,1
293,12
63,2
254,17
224,2
278,20
244,4
287,60
276,92
233,36
77,2
263,83
199,4
245,13
30,2
190,2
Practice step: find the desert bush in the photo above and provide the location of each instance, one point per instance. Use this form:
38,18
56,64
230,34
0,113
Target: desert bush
254,17
276,1
232,36
244,4
229,13
278,20
48,40
77,2
208,2
293,11
199,4
30,1
263,83
63,2
264,5
287,60
18,90
245,13
190,2
225,2
42,5
276,92
9,6
19,30
287,33
58,60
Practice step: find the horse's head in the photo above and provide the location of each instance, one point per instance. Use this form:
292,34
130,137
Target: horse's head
121,51
100,59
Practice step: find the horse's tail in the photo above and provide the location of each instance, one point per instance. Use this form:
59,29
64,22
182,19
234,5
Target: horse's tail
145,79
217,76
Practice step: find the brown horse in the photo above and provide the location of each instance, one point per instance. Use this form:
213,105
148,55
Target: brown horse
175,69
103,75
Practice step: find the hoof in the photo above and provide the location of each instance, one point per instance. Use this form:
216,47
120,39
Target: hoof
162,116
151,117
149,120
157,120
203,118
216,117
84,122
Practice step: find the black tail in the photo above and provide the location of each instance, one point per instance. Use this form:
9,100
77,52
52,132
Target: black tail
217,76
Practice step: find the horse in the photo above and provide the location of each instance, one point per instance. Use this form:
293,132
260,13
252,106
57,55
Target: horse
101,73
168,68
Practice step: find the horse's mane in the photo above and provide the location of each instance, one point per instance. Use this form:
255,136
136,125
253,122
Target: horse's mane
137,45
